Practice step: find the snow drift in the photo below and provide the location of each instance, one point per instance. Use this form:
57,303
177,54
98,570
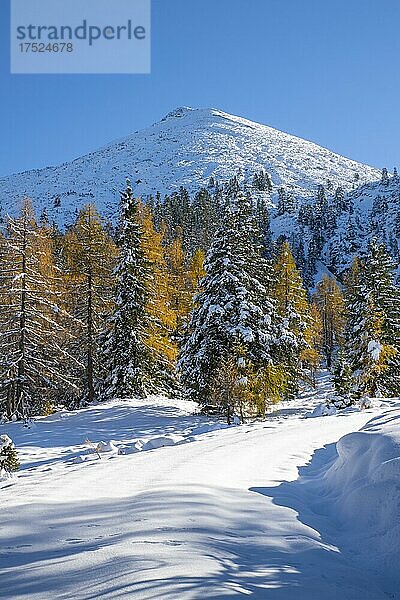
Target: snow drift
364,484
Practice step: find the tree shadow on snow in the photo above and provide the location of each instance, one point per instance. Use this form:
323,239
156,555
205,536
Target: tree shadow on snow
190,542
312,505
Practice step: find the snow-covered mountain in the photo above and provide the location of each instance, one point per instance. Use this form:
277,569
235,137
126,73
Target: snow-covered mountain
185,148
326,232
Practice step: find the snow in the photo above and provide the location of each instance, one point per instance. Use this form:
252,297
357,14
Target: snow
108,446
362,486
162,440
322,410
273,510
183,149
5,441
374,349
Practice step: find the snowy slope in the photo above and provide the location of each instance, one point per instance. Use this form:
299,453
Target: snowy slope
220,514
375,212
185,148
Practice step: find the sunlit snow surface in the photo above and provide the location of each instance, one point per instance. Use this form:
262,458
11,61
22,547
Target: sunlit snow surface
266,510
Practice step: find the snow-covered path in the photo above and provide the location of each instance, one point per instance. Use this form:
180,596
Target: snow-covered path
212,518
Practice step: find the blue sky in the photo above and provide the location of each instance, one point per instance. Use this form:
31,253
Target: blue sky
325,70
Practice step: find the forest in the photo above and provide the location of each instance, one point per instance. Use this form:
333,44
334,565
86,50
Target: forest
192,297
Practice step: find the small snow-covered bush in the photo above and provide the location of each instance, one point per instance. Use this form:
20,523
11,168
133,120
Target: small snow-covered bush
9,461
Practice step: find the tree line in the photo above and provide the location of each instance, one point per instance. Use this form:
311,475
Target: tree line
96,312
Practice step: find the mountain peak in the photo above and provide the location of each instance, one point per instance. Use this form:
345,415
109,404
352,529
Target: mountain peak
189,147
181,111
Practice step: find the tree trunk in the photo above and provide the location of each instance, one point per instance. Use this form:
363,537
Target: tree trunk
20,387
89,368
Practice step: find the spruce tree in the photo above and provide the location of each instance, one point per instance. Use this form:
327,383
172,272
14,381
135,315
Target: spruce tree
9,461
126,356
233,321
372,331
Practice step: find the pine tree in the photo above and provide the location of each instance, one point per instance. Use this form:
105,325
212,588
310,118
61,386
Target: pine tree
340,200
385,177
264,225
282,199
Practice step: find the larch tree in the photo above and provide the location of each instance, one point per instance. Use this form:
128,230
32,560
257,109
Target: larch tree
180,289
35,328
89,257
330,303
161,316
293,307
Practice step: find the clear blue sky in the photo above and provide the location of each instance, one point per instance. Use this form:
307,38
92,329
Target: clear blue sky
325,70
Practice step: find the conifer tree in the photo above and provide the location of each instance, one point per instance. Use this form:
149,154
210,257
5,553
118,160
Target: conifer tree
293,307
330,303
127,357
372,331
34,325
180,292
159,311
385,177
282,199
89,258
232,323
9,461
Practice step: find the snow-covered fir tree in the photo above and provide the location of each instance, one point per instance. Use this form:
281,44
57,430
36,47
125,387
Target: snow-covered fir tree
9,461
233,321
372,330
126,357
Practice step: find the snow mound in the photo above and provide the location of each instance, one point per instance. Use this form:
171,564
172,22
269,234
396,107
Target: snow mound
321,410
162,440
107,447
207,428
5,441
77,460
364,483
132,448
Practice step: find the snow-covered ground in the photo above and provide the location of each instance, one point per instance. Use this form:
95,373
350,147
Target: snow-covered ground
273,510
